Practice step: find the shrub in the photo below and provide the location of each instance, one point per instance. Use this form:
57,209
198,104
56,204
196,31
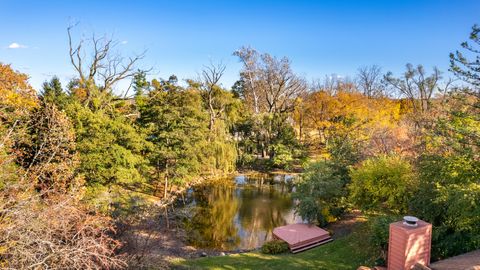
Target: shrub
283,157
320,193
384,183
378,236
246,160
275,247
449,197
61,233
47,150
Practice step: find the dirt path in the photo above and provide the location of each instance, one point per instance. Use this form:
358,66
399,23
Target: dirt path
346,224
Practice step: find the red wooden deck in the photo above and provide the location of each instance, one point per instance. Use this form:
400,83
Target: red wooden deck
301,237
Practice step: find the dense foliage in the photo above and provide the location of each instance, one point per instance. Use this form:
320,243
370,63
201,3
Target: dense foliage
321,193
384,183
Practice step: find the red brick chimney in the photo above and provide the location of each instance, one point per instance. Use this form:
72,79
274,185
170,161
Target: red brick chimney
409,243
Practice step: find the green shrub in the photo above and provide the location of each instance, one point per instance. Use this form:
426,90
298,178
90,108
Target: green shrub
275,247
378,236
383,183
283,157
320,193
449,197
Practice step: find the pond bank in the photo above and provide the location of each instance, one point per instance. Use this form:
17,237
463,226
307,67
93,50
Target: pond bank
161,247
153,238
348,251
154,245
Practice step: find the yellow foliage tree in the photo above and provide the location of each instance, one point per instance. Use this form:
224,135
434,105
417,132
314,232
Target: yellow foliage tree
17,97
325,114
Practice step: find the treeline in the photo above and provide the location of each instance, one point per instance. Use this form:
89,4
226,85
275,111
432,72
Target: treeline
417,155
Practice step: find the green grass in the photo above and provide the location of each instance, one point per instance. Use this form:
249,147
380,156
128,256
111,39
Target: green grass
348,252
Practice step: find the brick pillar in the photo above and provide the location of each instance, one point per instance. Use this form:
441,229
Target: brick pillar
409,244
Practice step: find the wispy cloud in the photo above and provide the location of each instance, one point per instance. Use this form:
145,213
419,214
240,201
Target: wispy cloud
124,42
15,45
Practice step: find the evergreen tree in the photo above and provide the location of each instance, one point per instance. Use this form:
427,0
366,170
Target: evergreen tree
176,125
53,93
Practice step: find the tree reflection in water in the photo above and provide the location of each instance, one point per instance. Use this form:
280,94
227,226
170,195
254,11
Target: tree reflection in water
239,213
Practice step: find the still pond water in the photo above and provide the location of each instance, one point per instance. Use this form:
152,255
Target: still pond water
239,212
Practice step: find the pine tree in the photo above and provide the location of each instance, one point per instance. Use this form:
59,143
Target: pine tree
176,125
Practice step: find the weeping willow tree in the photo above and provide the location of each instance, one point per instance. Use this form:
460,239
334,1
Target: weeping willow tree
221,152
222,110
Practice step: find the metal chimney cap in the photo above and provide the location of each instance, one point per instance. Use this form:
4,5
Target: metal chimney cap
410,221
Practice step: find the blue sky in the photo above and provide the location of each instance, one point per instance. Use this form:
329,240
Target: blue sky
320,37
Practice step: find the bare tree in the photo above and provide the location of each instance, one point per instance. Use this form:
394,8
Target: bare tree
281,87
211,91
249,57
270,84
47,149
369,80
329,84
416,86
333,84
98,64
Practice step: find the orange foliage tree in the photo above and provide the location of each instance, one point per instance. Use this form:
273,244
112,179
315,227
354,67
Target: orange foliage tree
324,115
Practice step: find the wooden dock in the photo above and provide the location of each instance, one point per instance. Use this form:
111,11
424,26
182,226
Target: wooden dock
301,237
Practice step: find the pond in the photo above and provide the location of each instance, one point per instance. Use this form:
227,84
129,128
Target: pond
239,212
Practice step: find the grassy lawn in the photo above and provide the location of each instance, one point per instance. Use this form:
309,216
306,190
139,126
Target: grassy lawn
347,252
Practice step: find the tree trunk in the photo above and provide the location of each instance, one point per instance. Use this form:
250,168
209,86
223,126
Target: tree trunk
165,192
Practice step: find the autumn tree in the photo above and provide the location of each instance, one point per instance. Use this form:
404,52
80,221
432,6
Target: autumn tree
48,151
37,158
17,97
17,100
345,114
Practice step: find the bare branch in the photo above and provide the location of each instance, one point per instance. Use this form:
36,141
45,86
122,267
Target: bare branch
103,68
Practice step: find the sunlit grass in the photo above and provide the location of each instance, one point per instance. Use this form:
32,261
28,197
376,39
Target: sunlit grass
348,252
